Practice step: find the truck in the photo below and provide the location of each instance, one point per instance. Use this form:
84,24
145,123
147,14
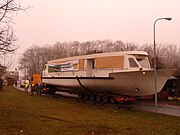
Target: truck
36,79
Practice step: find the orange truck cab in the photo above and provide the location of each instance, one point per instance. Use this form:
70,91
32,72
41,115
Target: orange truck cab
36,79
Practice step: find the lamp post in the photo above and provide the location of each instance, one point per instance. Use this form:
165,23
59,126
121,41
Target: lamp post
155,79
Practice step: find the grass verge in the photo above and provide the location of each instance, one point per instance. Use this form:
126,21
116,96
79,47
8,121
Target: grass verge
44,115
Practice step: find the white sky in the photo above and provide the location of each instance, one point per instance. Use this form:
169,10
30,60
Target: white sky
49,21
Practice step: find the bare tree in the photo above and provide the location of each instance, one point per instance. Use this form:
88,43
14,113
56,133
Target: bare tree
35,57
30,61
7,36
168,55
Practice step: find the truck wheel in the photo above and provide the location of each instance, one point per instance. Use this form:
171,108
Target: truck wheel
98,98
105,99
112,99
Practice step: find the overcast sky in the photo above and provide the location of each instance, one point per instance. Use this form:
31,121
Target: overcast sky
50,21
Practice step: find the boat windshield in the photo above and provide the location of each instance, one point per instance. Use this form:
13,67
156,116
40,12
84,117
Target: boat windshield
133,63
143,62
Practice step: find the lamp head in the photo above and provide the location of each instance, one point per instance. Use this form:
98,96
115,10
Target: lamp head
168,18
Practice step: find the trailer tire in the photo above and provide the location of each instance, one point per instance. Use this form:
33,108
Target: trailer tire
104,98
80,95
112,100
85,96
91,97
98,98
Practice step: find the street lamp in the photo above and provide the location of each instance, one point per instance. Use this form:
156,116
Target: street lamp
155,79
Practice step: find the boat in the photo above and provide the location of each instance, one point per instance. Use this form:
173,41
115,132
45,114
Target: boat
117,73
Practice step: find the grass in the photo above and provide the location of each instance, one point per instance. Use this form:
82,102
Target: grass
44,115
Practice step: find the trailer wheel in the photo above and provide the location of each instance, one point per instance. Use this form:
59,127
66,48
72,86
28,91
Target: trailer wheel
51,92
80,95
112,99
98,98
85,96
105,98
91,97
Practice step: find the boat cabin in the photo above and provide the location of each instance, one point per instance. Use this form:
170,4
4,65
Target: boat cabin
97,65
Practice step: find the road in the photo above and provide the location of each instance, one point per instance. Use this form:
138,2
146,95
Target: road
161,109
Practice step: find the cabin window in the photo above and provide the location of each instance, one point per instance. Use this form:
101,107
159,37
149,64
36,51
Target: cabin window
67,66
143,63
54,68
132,62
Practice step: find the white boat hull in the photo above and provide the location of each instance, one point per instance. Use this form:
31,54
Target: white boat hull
131,83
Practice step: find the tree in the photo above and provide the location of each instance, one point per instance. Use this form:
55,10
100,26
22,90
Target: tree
35,57
167,55
7,36
30,63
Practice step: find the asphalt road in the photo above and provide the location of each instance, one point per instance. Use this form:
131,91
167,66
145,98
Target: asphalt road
161,109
